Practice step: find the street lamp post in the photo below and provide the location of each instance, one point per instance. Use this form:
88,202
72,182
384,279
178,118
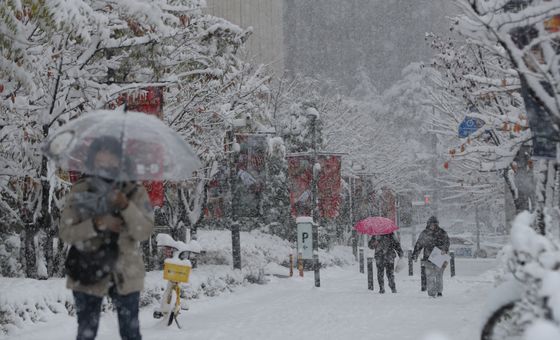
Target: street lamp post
235,232
353,231
235,227
312,114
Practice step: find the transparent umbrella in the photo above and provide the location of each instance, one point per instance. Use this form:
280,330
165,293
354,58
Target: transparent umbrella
147,148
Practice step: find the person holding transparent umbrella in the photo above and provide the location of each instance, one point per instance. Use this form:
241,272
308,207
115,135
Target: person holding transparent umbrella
108,212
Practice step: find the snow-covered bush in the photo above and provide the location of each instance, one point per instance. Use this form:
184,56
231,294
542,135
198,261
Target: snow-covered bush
10,251
31,301
534,261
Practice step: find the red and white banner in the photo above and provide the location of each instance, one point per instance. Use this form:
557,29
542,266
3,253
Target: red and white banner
300,173
388,204
148,100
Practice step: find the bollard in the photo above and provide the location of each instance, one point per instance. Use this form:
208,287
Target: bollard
355,243
370,273
236,245
410,264
316,264
300,264
317,268
361,255
291,265
422,277
452,264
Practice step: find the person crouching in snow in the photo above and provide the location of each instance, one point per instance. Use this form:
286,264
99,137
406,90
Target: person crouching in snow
105,257
431,237
387,247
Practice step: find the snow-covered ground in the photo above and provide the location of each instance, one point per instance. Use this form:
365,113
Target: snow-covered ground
342,308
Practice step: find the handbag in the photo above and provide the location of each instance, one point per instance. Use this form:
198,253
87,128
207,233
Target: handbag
400,264
90,267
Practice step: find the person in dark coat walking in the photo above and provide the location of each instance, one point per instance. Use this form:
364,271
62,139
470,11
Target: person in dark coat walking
387,247
431,237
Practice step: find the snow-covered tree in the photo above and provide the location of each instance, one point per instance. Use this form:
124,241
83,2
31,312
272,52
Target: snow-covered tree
525,32
473,85
276,200
60,59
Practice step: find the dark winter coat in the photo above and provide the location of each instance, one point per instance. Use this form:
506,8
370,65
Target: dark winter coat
386,247
429,239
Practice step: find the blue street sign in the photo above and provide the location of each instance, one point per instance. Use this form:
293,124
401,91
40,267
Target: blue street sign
469,125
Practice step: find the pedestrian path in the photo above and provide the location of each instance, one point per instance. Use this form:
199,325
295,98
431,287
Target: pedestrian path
342,308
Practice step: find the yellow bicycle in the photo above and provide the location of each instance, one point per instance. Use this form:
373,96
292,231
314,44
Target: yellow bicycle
176,271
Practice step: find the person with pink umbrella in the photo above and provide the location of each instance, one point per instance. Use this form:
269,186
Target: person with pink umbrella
386,247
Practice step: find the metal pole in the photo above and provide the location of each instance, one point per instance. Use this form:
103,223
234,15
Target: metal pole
314,175
397,215
316,265
291,265
354,232
235,237
410,265
414,234
300,264
236,245
370,272
361,256
355,243
423,280
477,230
452,263
317,269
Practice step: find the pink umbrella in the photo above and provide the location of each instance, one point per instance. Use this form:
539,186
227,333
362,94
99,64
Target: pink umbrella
376,226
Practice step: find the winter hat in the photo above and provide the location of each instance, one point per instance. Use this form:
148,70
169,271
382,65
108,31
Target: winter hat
431,220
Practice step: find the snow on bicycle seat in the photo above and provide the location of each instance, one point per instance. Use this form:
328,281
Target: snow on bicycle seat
165,240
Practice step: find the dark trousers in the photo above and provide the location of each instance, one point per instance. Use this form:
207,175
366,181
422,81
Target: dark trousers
385,266
88,310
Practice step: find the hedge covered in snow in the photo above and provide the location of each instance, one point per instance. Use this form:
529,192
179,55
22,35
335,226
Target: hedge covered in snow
26,301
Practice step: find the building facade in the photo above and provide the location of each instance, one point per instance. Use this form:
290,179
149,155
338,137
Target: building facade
266,46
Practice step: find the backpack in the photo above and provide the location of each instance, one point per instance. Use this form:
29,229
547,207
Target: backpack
90,267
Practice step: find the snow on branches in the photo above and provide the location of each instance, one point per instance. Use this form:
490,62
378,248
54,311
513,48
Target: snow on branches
527,33
62,58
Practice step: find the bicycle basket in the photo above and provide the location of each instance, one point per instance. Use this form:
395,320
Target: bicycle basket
176,270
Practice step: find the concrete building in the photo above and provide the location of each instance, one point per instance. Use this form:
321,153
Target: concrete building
343,40
266,17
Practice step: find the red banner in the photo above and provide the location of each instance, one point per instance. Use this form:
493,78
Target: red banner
328,185
387,205
216,195
300,175
150,101
363,197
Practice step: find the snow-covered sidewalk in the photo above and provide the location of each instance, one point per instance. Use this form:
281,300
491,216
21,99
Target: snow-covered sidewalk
342,308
